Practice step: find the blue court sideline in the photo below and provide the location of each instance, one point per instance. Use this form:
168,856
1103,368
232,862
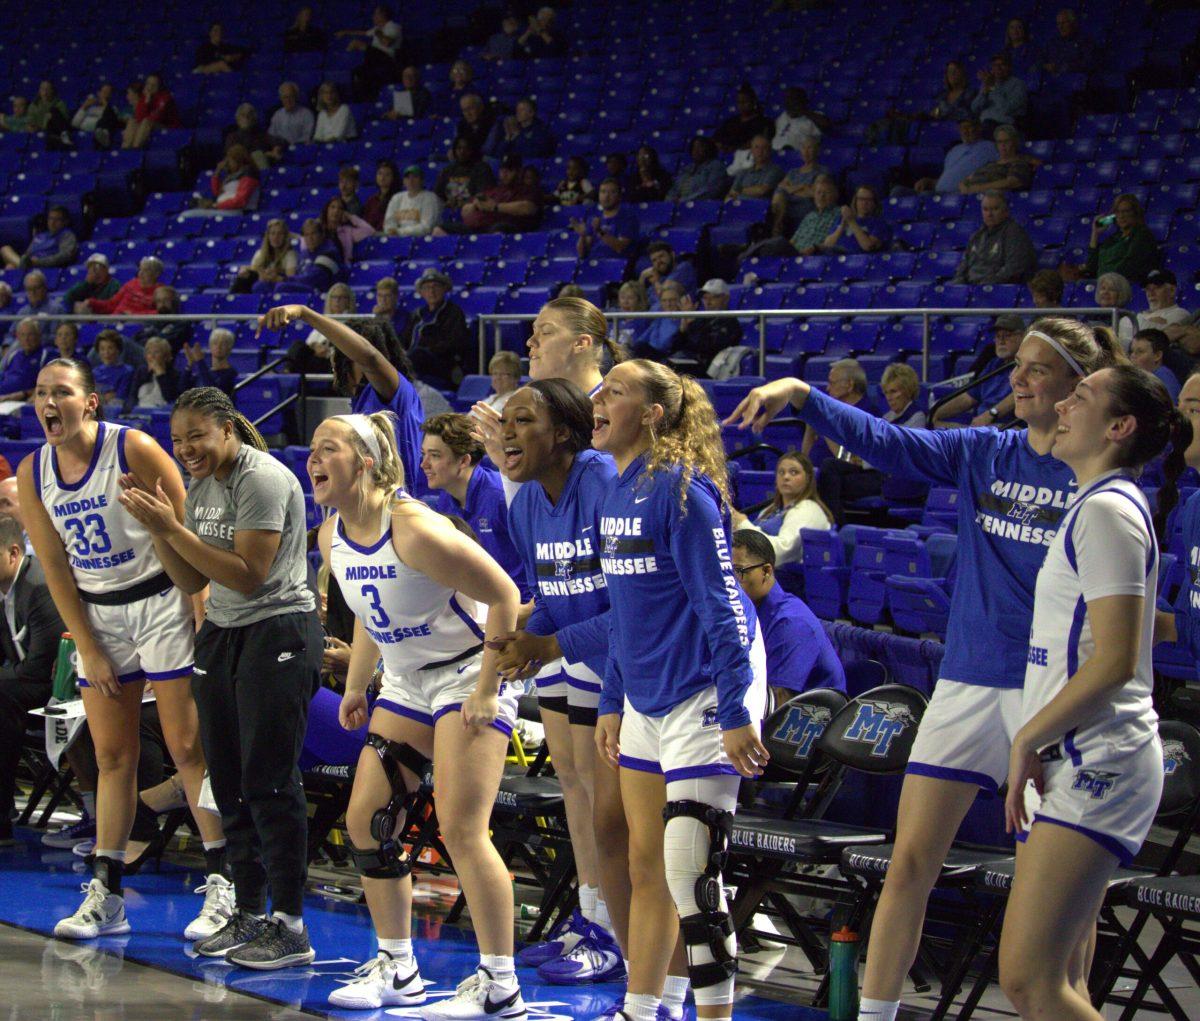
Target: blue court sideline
38,885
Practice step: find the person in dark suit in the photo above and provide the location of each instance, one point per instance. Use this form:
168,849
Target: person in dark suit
29,634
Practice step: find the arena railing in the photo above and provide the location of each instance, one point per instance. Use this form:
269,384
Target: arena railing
763,315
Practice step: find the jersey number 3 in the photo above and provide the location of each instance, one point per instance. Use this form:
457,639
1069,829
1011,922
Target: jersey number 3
79,527
379,619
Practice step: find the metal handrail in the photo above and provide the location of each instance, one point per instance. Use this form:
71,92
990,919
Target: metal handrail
763,314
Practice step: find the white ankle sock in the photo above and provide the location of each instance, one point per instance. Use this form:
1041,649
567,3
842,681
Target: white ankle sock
587,901
878,1010
400,949
675,993
600,915
502,968
295,923
641,1007
111,855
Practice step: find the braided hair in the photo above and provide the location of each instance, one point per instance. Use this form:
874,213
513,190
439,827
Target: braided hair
217,405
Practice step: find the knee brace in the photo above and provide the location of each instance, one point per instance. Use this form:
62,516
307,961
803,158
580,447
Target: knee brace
383,862
389,860
709,931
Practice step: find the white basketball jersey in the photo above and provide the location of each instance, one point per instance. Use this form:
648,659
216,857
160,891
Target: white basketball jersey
107,547
1105,546
414,620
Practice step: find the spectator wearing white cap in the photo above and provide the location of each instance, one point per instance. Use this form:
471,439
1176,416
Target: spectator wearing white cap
1161,289
436,335
415,211
97,282
703,339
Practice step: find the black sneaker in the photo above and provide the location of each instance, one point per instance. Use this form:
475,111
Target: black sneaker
242,928
275,947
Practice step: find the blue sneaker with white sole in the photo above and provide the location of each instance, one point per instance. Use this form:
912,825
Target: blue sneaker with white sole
561,940
595,958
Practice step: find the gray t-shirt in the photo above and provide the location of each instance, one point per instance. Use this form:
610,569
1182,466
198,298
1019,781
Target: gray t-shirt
260,494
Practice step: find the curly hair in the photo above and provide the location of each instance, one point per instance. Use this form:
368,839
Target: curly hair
689,435
382,336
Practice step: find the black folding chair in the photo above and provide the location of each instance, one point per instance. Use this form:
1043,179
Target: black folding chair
46,781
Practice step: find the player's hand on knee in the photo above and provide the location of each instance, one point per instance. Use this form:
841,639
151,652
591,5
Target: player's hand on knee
746,752
608,738
352,713
480,709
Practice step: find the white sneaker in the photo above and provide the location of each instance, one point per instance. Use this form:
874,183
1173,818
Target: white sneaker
217,910
101,914
381,982
83,848
479,998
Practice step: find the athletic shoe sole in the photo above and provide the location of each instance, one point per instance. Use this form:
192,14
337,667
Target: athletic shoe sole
617,971
291,961
68,932
349,1003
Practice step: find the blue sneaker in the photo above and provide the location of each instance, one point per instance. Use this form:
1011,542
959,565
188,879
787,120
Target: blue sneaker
560,940
595,958
71,834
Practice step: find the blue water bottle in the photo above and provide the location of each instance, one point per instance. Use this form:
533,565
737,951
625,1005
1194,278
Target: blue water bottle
843,975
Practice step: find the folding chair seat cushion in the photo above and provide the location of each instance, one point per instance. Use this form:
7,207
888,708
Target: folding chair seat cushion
999,876
872,861
803,841
530,795
1178,896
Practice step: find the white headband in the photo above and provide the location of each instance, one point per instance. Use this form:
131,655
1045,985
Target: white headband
365,432
1066,355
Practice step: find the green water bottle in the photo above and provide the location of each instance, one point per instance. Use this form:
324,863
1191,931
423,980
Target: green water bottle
64,687
843,975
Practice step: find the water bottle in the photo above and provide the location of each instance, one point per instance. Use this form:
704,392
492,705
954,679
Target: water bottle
843,975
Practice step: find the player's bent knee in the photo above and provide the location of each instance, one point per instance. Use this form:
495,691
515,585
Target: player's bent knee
384,862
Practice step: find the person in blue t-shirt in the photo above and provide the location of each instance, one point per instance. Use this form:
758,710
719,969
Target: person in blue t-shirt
1183,626
686,666
371,368
800,655
861,230
1012,496
459,485
614,233
993,398
1147,350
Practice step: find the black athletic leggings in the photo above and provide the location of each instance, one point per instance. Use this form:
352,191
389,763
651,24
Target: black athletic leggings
252,687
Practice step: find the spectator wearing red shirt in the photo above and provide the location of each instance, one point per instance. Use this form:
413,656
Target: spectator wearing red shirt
155,109
135,297
508,206
234,184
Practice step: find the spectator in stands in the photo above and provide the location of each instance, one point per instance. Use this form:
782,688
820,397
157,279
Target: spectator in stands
658,338
311,354
303,36
847,383
1114,291
38,300
760,179
415,211
29,639
388,186
97,116
348,185
901,388
66,340
1069,52
1149,348
793,506
216,56
505,370
335,119
1012,170
953,103
53,247
292,122
462,75
213,370
616,166
177,334
703,339
813,230
381,44
409,98
999,252
387,303
264,148
1161,289
651,181
541,38
20,372
510,205
155,109
467,174
97,282
1018,47
795,123
524,134
1046,288
800,655
349,229
703,178
48,113
612,234
502,45
575,188
748,120
861,229
665,266
113,374
1131,250
971,154
274,261
1002,98
476,121
19,120
234,185
792,200
157,383
436,336
631,297
992,397
318,263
